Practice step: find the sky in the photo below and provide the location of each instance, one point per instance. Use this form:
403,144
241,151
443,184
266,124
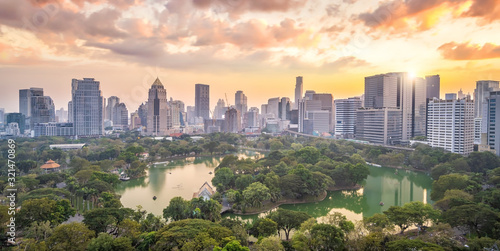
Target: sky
257,46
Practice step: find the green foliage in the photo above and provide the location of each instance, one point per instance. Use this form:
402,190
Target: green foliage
255,194
45,209
405,244
179,209
476,218
288,220
447,182
106,220
308,154
223,179
179,233
243,181
71,236
271,243
377,222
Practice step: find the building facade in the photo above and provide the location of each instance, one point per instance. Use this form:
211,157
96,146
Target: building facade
158,111
481,95
42,110
451,124
379,125
345,116
233,121
433,86
202,101
87,106
299,89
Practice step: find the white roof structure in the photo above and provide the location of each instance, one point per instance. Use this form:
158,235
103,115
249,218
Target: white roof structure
68,146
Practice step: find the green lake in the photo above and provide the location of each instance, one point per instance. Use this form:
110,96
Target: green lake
185,177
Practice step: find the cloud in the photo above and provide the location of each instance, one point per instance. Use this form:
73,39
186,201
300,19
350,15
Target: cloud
466,51
422,15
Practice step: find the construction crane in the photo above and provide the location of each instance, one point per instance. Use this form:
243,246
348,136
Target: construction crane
227,102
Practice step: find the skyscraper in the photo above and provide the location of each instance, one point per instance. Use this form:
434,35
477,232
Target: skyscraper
240,101
299,89
273,107
87,108
202,101
62,115
326,105
25,99
233,120
110,108
399,90
433,84
220,109
493,112
284,109
481,95
157,110
17,118
345,116
120,115
42,110
450,124
379,125
253,117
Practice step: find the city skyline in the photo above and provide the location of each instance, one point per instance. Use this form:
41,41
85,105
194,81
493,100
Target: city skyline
241,45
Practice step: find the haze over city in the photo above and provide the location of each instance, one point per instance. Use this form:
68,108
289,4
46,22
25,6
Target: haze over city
232,45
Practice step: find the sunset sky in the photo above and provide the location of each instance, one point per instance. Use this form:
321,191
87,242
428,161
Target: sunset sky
257,46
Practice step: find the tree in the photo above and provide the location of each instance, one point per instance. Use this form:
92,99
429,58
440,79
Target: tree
45,209
480,162
177,209
271,243
106,219
290,185
243,181
288,220
327,237
377,222
276,145
71,236
39,231
223,179
406,244
399,216
308,154
255,194
265,227
447,182
232,246
476,218
208,209
421,213
211,146
105,242
177,234
339,220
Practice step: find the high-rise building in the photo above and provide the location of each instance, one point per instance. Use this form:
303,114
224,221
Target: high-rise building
317,122
220,109
273,107
202,101
327,105
62,115
87,105
240,101
345,116
381,91
70,112
25,99
253,117
191,115
284,109
42,110
299,89
110,108
301,115
120,115
158,110
493,112
177,108
2,117
433,85
450,124
142,111
135,120
17,118
233,120
379,125
481,95
399,90
309,95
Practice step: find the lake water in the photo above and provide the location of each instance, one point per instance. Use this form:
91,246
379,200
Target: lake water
184,177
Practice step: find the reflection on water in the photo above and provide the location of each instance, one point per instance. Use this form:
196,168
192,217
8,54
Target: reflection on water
184,177
382,185
181,177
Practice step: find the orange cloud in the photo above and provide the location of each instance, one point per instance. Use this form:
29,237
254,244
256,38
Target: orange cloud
466,51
